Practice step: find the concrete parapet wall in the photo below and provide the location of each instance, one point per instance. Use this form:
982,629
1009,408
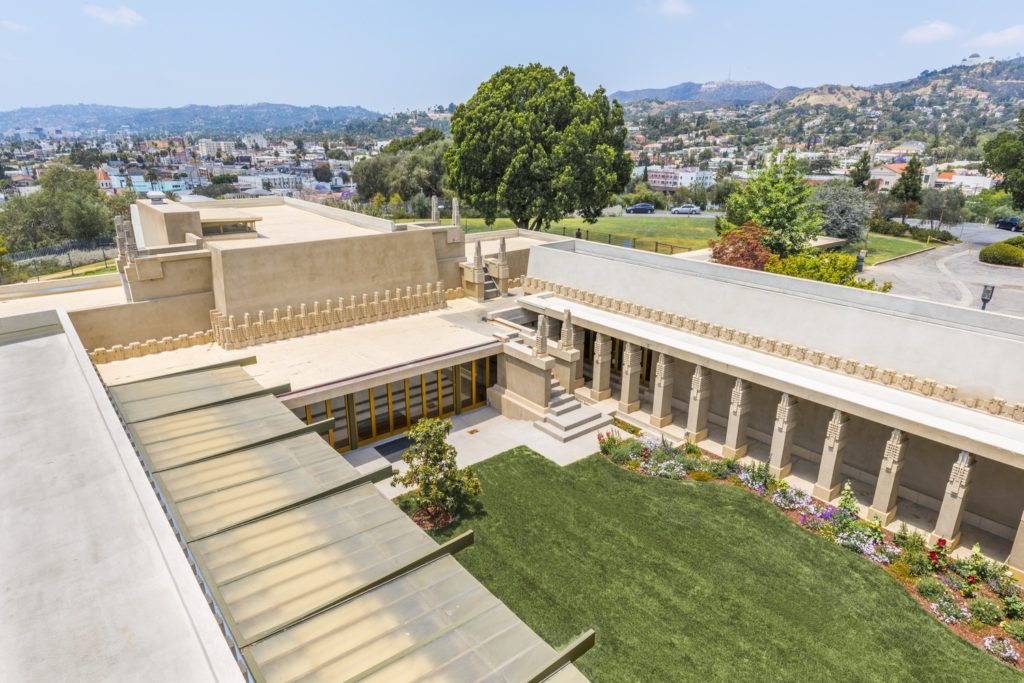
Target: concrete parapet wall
24,289
233,332
150,346
123,324
890,377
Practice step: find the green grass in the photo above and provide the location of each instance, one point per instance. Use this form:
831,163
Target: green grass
692,232
688,581
882,247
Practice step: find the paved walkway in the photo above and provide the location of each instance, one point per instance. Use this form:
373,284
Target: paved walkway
477,436
954,275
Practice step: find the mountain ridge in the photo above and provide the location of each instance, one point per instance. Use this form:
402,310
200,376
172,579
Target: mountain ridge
190,117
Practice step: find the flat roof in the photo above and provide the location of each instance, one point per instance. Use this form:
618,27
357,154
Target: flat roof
283,223
93,585
315,359
317,575
63,294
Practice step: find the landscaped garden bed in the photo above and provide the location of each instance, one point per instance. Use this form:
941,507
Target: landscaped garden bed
975,597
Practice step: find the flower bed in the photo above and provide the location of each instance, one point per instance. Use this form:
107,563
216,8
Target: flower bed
974,596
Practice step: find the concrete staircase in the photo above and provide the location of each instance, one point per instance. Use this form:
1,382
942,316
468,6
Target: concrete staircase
567,418
491,289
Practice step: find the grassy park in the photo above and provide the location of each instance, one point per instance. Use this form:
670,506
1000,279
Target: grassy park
691,232
694,581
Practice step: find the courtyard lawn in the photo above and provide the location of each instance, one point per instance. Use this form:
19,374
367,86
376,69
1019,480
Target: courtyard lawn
882,247
692,232
695,581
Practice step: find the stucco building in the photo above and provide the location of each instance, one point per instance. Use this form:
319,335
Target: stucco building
247,349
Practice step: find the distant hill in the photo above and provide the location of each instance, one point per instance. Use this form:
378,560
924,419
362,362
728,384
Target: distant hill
713,91
1002,80
197,118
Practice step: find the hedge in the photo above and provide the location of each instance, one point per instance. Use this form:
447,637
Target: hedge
1002,253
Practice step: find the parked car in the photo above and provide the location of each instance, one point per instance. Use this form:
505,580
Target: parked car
691,209
1012,223
643,207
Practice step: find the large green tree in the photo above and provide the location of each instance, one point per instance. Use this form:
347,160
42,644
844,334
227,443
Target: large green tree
908,188
1005,154
532,145
68,205
845,210
778,200
860,172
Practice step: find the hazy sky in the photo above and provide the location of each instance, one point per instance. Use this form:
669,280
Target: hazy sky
389,55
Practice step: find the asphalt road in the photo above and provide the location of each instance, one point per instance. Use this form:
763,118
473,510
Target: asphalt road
954,275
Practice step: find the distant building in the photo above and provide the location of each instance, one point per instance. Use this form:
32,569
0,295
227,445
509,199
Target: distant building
668,179
969,181
884,177
209,148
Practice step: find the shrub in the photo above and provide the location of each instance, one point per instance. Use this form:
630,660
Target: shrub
907,539
1017,241
701,475
438,482
693,449
931,589
719,469
1014,606
917,562
1002,254
789,498
884,226
626,427
1014,628
901,570
924,234
831,266
743,247
987,611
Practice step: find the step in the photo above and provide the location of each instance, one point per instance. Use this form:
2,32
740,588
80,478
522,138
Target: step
598,421
572,418
564,407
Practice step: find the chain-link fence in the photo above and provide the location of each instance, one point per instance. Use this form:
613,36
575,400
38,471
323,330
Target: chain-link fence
74,257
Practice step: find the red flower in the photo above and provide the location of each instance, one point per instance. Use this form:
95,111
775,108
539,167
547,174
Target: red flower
942,543
933,556
972,579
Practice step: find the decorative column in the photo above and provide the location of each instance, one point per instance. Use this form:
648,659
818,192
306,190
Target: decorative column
700,404
435,211
830,470
456,217
661,413
887,489
540,341
601,387
953,502
780,460
736,431
1016,558
502,273
568,359
630,399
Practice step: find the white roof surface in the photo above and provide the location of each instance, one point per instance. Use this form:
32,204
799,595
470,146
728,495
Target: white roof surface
93,584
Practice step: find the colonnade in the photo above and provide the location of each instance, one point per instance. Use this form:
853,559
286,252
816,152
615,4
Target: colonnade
826,487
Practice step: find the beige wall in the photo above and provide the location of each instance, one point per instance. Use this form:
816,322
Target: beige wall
156,277
126,323
250,279
167,222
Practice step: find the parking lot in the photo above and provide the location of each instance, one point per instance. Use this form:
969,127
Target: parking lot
954,275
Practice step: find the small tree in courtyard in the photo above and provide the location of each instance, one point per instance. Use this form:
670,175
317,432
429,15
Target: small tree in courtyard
441,489
743,247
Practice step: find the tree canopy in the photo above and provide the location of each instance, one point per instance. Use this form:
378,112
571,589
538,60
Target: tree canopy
531,144
908,187
406,172
67,206
421,139
844,210
778,200
860,172
1005,154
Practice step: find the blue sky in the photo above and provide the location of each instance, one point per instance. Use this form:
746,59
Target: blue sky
390,55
